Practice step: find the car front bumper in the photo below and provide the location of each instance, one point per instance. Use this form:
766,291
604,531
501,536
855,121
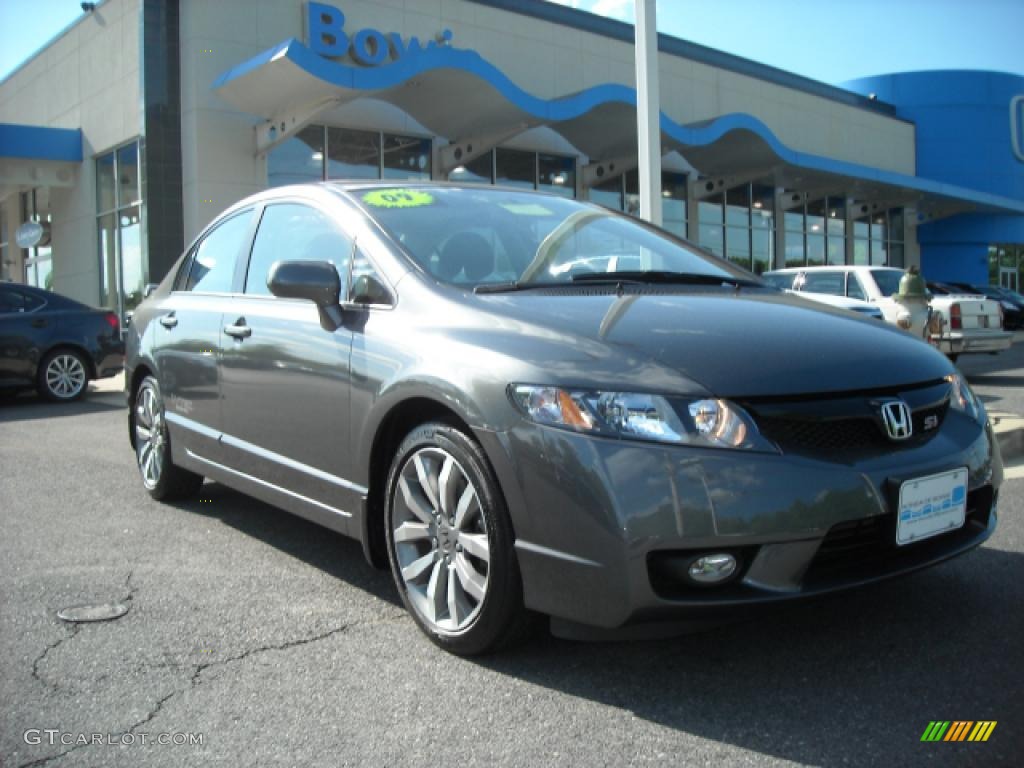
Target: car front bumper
605,528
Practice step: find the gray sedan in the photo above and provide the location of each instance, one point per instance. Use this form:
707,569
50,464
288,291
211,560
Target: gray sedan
527,405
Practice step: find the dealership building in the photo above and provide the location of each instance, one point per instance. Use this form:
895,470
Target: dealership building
141,121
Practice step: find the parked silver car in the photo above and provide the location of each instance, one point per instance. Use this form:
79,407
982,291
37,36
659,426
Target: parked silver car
531,405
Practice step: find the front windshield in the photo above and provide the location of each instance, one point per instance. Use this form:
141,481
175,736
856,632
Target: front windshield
887,280
481,236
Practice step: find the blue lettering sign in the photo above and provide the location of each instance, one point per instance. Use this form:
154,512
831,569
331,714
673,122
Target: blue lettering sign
325,26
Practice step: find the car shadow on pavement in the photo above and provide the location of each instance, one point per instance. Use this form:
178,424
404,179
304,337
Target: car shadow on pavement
996,380
338,556
30,407
852,679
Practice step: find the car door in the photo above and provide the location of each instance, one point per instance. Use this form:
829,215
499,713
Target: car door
285,378
187,344
23,329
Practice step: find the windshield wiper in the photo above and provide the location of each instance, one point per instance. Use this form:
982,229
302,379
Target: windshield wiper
514,285
661,277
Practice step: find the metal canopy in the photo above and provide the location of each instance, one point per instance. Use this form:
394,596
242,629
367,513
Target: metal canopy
37,156
459,95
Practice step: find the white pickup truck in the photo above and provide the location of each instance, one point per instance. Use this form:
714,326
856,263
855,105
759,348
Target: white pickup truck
964,324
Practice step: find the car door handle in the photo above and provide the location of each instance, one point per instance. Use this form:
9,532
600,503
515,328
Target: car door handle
39,323
239,330
169,321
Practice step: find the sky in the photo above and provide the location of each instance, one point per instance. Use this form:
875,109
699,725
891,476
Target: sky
827,40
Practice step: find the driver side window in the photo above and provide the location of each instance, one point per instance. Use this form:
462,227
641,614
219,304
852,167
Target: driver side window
294,232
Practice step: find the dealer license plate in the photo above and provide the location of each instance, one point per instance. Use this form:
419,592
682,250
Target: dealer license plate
931,505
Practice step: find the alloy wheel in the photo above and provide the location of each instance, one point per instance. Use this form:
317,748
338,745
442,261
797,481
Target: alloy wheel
65,376
440,539
150,441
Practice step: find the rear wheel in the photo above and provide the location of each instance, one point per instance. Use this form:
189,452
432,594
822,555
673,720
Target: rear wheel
162,478
63,376
450,543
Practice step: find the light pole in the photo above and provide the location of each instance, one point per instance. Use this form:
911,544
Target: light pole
648,129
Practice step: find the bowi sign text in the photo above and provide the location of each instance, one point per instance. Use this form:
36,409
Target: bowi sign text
325,30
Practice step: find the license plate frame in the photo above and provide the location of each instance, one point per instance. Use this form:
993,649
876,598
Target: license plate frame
931,505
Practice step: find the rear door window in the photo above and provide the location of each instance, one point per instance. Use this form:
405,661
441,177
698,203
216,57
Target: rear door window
213,264
824,282
13,301
854,289
295,232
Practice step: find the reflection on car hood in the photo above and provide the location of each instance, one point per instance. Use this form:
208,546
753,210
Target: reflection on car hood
745,343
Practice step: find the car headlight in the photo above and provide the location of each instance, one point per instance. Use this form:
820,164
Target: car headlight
963,399
1008,305
705,422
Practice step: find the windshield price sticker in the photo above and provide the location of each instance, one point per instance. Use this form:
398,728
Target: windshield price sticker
398,198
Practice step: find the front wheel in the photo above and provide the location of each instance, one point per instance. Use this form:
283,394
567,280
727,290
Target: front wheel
450,543
162,478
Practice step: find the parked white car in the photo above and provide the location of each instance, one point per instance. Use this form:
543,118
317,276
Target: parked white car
965,324
842,302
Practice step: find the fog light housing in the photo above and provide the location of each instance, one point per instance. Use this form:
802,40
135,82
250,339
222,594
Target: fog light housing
712,569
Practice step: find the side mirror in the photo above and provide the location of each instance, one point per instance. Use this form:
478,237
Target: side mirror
148,290
367,289
315,281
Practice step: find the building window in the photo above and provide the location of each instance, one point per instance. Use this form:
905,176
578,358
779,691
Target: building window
556,174
878,238
515,168
622,193
762,227
319,152
123,268
405,157
5,259
710,233
673,202
835,228
793,219
479,170
35,206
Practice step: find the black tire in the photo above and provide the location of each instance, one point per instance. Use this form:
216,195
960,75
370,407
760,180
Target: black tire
162,479
499,618
62,376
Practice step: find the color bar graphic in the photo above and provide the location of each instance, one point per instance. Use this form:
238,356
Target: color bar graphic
958,730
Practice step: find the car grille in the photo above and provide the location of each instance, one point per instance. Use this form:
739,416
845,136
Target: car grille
857,543
853,435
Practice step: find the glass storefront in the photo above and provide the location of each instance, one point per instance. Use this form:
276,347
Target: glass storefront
1006,266
319,152
123,265
35,206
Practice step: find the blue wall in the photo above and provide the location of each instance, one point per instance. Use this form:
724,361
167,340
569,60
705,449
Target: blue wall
962,121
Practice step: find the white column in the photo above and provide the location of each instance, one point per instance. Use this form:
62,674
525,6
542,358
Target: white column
647,112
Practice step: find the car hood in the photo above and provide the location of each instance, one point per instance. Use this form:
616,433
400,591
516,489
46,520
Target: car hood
746,343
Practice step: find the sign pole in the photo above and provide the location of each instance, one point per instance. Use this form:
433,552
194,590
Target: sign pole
648,111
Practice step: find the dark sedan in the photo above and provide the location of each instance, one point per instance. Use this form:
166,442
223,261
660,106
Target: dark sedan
532,405
55,344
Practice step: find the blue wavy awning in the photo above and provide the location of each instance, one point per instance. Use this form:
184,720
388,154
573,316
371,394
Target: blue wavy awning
457,94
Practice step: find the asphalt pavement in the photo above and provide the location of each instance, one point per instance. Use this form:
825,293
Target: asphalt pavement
271,642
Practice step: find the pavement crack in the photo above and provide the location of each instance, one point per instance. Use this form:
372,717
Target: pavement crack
74,628
154,711
200,668
128,586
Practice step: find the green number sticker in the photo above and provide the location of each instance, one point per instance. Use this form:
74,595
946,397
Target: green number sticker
397,198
